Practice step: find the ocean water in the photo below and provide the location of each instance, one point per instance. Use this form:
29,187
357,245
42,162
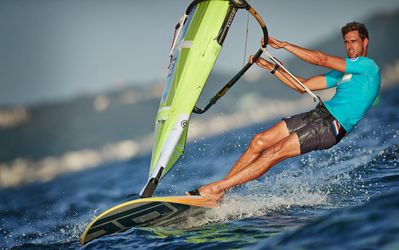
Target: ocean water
346,197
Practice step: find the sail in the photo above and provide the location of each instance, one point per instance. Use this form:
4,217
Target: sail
197,43
192,59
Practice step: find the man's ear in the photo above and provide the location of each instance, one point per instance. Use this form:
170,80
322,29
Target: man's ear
365,42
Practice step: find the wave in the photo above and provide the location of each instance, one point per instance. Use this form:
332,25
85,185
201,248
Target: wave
369,226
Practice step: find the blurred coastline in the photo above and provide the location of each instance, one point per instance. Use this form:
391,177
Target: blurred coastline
25,170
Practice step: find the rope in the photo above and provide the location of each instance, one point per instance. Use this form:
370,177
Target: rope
315,97
246,41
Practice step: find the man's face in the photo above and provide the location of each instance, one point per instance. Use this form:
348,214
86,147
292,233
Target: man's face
354,45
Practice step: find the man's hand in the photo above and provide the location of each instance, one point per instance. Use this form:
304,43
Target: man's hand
276,44
251,59
261,62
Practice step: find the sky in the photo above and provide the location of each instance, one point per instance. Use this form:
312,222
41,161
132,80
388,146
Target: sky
56,49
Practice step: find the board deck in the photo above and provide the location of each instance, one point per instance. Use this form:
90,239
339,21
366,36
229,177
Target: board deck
156,211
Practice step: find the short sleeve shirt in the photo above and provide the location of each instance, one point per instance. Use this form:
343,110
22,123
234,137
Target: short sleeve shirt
356,90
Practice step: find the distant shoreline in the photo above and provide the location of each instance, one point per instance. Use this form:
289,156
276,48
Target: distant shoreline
22,171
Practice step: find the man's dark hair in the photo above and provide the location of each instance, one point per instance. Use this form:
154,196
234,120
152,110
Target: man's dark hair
363,33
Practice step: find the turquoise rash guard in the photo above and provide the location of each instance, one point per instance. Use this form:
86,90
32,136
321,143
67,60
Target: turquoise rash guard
356,90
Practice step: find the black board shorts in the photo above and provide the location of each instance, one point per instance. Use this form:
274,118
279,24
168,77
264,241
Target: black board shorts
316,129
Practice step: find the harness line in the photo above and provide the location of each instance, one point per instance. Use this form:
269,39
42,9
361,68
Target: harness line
315,97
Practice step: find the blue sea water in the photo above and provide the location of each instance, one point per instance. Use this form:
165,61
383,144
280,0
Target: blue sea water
346,197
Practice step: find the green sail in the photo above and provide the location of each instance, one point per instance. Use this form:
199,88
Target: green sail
192,59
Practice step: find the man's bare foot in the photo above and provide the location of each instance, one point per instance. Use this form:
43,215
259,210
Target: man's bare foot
208,192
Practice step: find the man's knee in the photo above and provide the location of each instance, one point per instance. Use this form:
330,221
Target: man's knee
263,140
258,143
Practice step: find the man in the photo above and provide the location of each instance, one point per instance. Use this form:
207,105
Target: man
357,82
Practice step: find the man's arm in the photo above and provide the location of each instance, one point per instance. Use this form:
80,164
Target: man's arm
313,83
311,56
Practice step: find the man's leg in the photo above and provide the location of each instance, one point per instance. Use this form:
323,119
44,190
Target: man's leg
286,148
261,142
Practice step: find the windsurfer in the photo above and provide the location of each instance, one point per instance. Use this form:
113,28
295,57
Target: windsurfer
357,82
